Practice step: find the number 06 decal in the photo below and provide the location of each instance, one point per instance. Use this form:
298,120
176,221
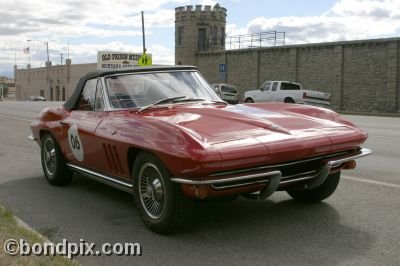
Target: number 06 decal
75,142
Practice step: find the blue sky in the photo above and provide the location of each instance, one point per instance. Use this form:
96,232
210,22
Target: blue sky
91,25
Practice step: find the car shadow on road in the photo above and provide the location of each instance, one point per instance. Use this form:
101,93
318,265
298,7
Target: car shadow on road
278,230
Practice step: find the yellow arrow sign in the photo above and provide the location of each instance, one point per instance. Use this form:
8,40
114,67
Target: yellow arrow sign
145,60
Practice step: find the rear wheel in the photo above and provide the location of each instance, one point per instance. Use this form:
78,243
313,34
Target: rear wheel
161,203
319,193
249,100
288,100
53,163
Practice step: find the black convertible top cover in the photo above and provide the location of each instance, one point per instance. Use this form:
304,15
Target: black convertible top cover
71,102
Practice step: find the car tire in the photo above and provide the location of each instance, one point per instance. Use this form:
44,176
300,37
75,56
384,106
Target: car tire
249,100
161,203
319,193
289,100
53,163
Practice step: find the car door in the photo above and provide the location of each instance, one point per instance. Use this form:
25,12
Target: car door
264,94
82,146
275,93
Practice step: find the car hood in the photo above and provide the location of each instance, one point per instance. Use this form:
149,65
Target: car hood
217,124
238,120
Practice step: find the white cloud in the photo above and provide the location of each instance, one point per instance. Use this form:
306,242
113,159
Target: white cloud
58,21
346,20
108,23
32,17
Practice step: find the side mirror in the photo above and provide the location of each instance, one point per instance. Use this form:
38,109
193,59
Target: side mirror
261,88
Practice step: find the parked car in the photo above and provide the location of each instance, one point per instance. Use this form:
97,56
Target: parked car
287,92
163,134
226,92
36,98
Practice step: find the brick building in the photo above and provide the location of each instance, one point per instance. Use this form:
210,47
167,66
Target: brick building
55,83
361,75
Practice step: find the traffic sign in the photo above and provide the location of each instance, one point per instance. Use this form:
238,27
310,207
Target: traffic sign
145,60
222,68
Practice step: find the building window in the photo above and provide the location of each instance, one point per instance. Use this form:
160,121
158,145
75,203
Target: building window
57,93
51,93
180,36
223,37
202,46
214,32
42,93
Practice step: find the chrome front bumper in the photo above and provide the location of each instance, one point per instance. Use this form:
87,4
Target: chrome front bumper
275,178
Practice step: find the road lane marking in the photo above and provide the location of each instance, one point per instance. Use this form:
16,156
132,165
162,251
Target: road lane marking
16,118
369,181
384,137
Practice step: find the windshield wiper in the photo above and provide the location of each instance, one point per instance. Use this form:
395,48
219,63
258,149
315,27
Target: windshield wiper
189,100
199,100
162,101
178,99
223,102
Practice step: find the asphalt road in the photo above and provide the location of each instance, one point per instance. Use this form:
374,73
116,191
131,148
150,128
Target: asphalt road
358,225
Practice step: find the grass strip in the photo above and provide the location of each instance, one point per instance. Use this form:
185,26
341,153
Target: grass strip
11,229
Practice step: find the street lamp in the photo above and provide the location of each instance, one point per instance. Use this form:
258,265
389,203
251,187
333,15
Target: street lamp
47,65
45,43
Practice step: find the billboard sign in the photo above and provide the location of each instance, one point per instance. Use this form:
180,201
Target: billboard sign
108,60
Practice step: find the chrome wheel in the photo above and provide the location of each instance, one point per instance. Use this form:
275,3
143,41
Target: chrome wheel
49,156
151,190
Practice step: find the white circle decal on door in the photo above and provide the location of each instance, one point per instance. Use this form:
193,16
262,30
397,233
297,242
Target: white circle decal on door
75,142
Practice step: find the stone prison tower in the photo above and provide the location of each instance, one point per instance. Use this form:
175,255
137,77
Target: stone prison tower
197,30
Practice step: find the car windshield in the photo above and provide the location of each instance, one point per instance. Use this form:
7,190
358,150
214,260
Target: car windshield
143,89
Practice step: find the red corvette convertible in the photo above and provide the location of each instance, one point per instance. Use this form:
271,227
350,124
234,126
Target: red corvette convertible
164,135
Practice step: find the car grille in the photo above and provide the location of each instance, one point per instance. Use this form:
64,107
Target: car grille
292,171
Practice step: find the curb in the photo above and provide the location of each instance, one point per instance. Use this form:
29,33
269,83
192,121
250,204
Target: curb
20,223
27,227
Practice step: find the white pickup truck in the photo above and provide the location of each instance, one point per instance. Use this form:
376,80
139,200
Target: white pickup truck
288,92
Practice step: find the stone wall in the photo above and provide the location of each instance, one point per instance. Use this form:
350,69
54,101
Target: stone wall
360,75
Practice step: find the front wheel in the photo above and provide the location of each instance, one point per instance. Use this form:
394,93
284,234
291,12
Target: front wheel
161,203
249,100
319,193
53,163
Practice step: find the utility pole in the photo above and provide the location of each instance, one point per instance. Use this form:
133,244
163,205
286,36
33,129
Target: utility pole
144,38
61,58
47,65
